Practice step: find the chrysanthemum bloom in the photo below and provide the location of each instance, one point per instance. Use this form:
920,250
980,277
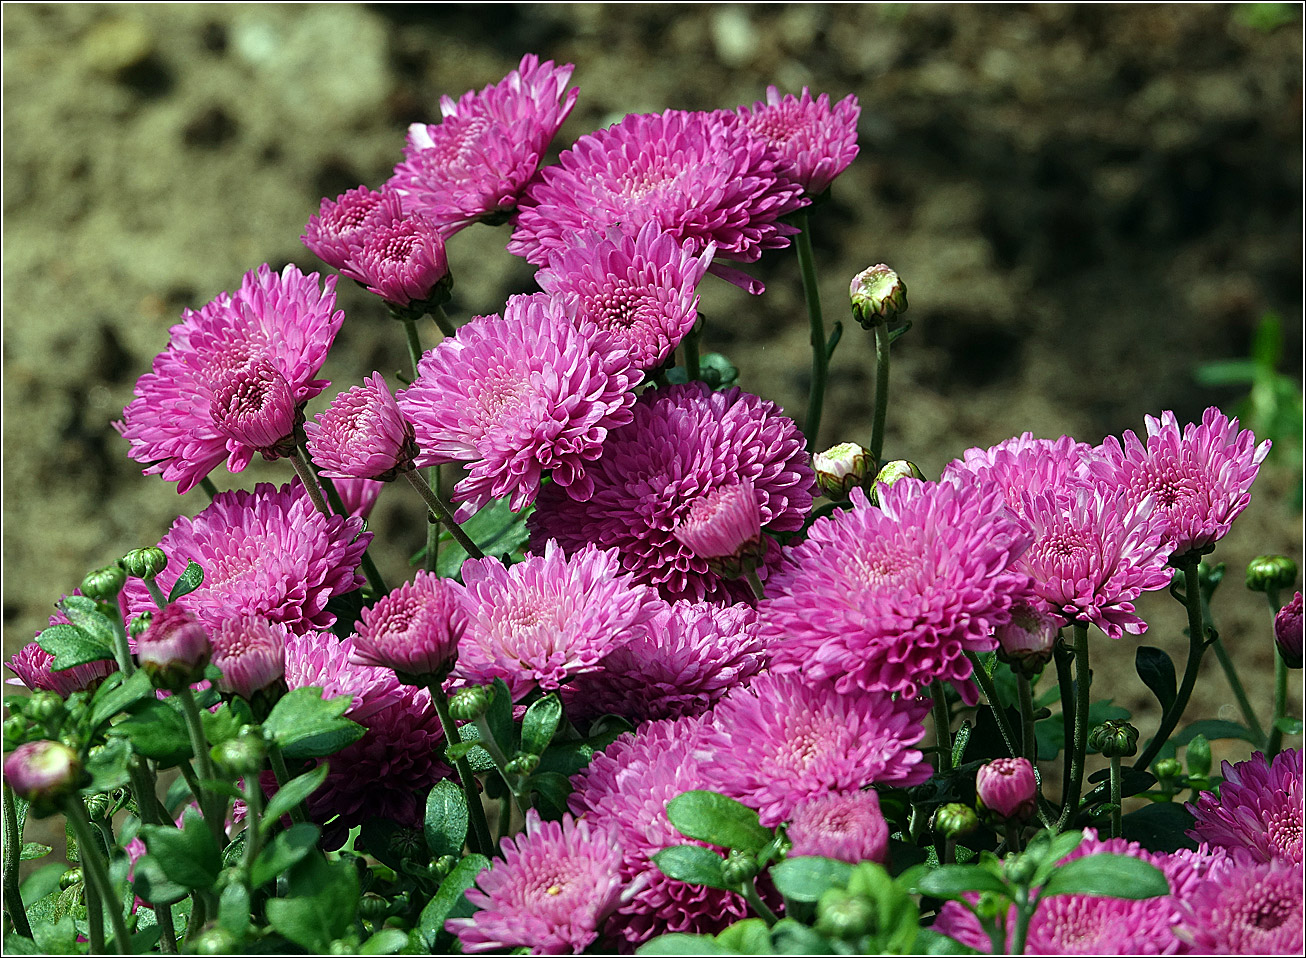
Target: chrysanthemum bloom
779,741
255,407
1288,631
1254,908
413,630
321,659
181,426
32,663
639,292
475,162
690,655
251,652
892,598
402,262
725,524
626,788
550,893
174,648
1259,808
847,826
812,142
685,442
1007,787
1025,465
517,396
1200,480
341,224
266,552
698,176
548,618
362,434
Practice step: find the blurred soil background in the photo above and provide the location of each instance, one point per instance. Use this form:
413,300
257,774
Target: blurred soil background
1087,203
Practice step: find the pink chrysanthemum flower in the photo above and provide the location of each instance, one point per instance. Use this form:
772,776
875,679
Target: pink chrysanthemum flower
1200,480
779,741
812,142
341,225
626,788
1259,809
555,885
697,176
1025,465
690,655
1288,632
251,652
685,442
476,161
321,659
517,396
176,422
362,434
415,629
639,292
255,407
722,523
847,826
548,618
1253,908
892,598
32,664
266,552
402,262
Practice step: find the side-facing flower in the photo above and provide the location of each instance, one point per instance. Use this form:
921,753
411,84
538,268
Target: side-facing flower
341,225
174,648
1259,809
1024,465
1288,631
413,630
251,653
1251,908
812,141
847,826
32,663
1026,642
362,434
42,772
725,528
402,261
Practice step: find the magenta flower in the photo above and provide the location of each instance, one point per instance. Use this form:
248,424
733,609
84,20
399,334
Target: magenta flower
1258,809
892,598
322,660
698,176
1028,639
32,663
1200,480
722,524
1288,631
174,648
251,652
779,741
413,630
1253,908
223,385
1007,788
358,496
811,141
266,552
1025,465
847,826
402,262
548,618
685,442
362,434
638,291
550,893
474,163
517,396
342,224
42,771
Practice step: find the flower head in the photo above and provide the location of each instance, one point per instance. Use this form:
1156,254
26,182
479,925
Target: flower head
342,224
847,826
1007,787
811,141
230,374
1287,632
174,648
42,771
402,261
1259,808
1026,642
32,664
413,630
1025,465
322,660
251,652
476,161
1253,908
685,443
722,523
514,397
362,434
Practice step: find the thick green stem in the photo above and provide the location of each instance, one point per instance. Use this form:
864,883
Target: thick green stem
278,763
299,459
1116,798
881,393
432,529
97,876
121,650
1028,747
755,584
481,842
94,919
13,851
442,320
442,512
213,815
755,902
1275,742
942,725
505,817
152,813
1239,694
820,351
207,485
414,343
488,742
253,823
1083,681
156,593
1024,912
995,705
338,507
1012,831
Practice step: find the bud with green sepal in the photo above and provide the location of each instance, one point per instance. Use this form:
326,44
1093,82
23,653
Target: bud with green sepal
71,877
469,704
140,624
144,563
104,584
841,914
523,763
739,867
47,708
1114,739
878,296
174,649
955,820
891,473
1288,633
1027,641
243,755
1271,574
43,773
840,469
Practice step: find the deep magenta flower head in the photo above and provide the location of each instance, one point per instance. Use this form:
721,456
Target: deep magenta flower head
847,826
267,552
812,142
892,598
779,741
32,664
1199,479
42,772
551,891
1251,908
1007,788
403,261
362,434
255,407
639,291
548,618
1258,810
1287,632
174,648
517,396
284,319
251,652
413,630
342,224
684,443
474,163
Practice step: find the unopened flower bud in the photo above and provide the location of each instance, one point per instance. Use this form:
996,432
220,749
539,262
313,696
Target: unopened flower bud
1198,754
840,914
1020,868
1168,768
140,624
43,772
441,867
104,584
44,707
404,262
1114,739
891,473
242,755
363,434
71,877
16,728
955,820
469,704
878,296
373,907
99,805
739,867
840,469
1026,641
724,527
174,649
1271,573
991,904
1287,633
215,941
1007,788
144,563
523,763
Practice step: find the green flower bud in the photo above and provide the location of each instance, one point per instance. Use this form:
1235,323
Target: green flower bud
1020,868
144,563
373,907
17,729
470,703
840,469
441,867
71,877
45,707
1271,573
1198,754
891,473
1114,739
840,914
991,904
523,763
739,867
242,755
955,820
1168,768
104,584
99,805
140,624
878,296
215,941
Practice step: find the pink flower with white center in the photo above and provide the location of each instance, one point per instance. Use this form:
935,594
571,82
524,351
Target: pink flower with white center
846,826
474,164
413,630
284,319
779,741
724,523
266,552
550,893
812,142
515,397
1007,787
698,176
1200,480
402,262
251,652
362,434
1252,908
548,618
342,224
32,664
255,408
684,442
892,598
638,291
1258,809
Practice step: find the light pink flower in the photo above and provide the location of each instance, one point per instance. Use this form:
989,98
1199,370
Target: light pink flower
847,826
402,262
811,141
31,664
251,652
362,434
413,630
722,523
1258,809
175,644
341,225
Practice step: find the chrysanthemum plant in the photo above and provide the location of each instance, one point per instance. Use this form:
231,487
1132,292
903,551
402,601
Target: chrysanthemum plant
670,679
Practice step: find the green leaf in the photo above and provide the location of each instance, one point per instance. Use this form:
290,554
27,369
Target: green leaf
446,819
153,886
58,937
568,758
931,942
553,790
291,794
1107,875
31,851
288,848
1157,671
499,718
226,723
86,615
693,864
807,877
305,725
682,943
43,881
387,941
233,909
448,898
156,731
107,766
1213,729
16,944
1198,755
747,937
540,723
322,904
1055,849
187,855
1159,827
117,694
191,578
1289,725
952,881
712,817
72,646
496,529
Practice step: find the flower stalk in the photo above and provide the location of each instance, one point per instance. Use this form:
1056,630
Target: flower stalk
13,849
820,350
443,514
1083,680
481,841
213,815
881,393
942,725
100,891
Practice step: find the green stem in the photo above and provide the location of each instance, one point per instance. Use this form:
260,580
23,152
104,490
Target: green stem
13,851
1024,912
995,705
505,817
690,343
755,584
94,919
1028,747
338,507
1239,694
299,459
199,912
1083,681
820,352
1012,831
156,593
213,817
482,843
1275,742
881,393
121,650
278,763
1063,655
1116,798
948,853
488,742
207,485
152,813
755,902
442,512
432,529
442,320
942,725
93,868
253,823
414,343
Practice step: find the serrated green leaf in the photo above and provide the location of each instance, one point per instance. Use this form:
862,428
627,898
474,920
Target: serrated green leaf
450,898
291,794
117,694
191,578
498,716
540,723
72,646
1107,875
693,864
307,726
156,731
226,723
445,825
86,615
807,877
31,851
284,851
714,818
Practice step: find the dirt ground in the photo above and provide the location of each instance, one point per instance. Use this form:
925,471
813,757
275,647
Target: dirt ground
1086,202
